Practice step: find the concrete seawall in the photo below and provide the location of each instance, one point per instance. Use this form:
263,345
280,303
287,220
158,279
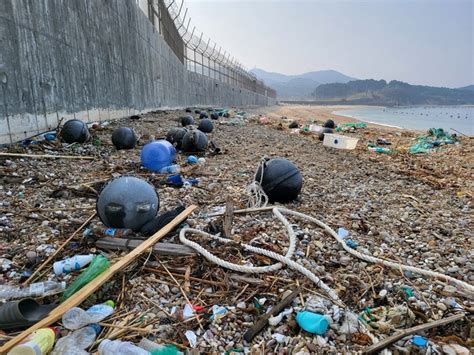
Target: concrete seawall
93,60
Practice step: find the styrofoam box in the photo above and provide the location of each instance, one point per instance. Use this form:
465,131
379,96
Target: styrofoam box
340,142
315,128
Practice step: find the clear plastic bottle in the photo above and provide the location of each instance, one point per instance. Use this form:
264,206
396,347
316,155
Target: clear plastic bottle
112,232
39,342
117,347
76,342
76,317
37,289
171,169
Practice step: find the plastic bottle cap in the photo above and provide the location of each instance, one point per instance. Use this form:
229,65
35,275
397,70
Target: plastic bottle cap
97,328
110,303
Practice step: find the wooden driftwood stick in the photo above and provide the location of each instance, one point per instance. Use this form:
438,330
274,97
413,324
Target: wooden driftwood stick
403,333
159,248
182,276
46,156
47,261
263,320
228,218
92,286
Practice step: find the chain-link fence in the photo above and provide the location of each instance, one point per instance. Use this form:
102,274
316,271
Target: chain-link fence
197,52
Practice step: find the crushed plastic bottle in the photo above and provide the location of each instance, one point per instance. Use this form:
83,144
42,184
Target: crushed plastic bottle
171,169
76,317
76,342
112,232
118,347
37,289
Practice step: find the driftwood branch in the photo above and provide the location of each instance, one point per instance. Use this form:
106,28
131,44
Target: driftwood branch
46,156
159,248
263,320
403,333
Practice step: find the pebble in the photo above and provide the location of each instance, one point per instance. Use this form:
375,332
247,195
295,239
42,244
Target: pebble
441,306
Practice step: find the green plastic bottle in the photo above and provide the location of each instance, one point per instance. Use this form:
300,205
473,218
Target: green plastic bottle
97,267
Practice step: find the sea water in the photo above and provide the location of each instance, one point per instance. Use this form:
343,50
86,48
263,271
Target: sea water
450,118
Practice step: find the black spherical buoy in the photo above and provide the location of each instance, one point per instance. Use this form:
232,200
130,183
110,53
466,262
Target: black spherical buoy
206,126
329,124
189,110
282,181
194,141
203,115
127,202
75,131
175,136
214,116
324,130
197,112
124,138
187,120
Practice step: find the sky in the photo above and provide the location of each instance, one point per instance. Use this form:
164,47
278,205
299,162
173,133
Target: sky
425,42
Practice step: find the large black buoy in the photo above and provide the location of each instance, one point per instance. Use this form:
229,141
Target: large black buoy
124,138
189,110
323,131
194,141
203,115
175,136
214,116
197,112
187,120
282,181
329,124
75,131
206,125
127,202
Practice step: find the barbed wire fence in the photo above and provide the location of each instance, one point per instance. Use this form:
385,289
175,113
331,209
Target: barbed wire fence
198,52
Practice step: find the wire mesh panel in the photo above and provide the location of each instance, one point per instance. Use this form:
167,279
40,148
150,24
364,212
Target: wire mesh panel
199,53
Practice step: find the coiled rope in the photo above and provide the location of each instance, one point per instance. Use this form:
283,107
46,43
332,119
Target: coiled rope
286,259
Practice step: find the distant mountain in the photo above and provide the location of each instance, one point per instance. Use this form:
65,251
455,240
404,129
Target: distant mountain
299,86
395,93
469,87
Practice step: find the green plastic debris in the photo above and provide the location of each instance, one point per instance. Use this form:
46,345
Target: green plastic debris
166,350
435,138
380,150
98,265
408,292
340,126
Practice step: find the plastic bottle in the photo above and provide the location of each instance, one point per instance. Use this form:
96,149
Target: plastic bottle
76,342
37,289
113,232
117,347
312,322
72,264
40,342
170,169
76,317
97,267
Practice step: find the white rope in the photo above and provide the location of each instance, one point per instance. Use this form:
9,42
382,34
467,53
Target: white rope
285,259
256,195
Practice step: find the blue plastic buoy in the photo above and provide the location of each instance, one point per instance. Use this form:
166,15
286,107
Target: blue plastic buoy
157,154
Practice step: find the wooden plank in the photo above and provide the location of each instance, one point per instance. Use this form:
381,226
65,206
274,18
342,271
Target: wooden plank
159,248
91,287
228,218
46,156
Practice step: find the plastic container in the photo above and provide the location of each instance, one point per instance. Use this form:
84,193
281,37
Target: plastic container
97,267
76,342
315,128
72,264
339,141
158,154
76,317
37,289
312,322
40,342
117,347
